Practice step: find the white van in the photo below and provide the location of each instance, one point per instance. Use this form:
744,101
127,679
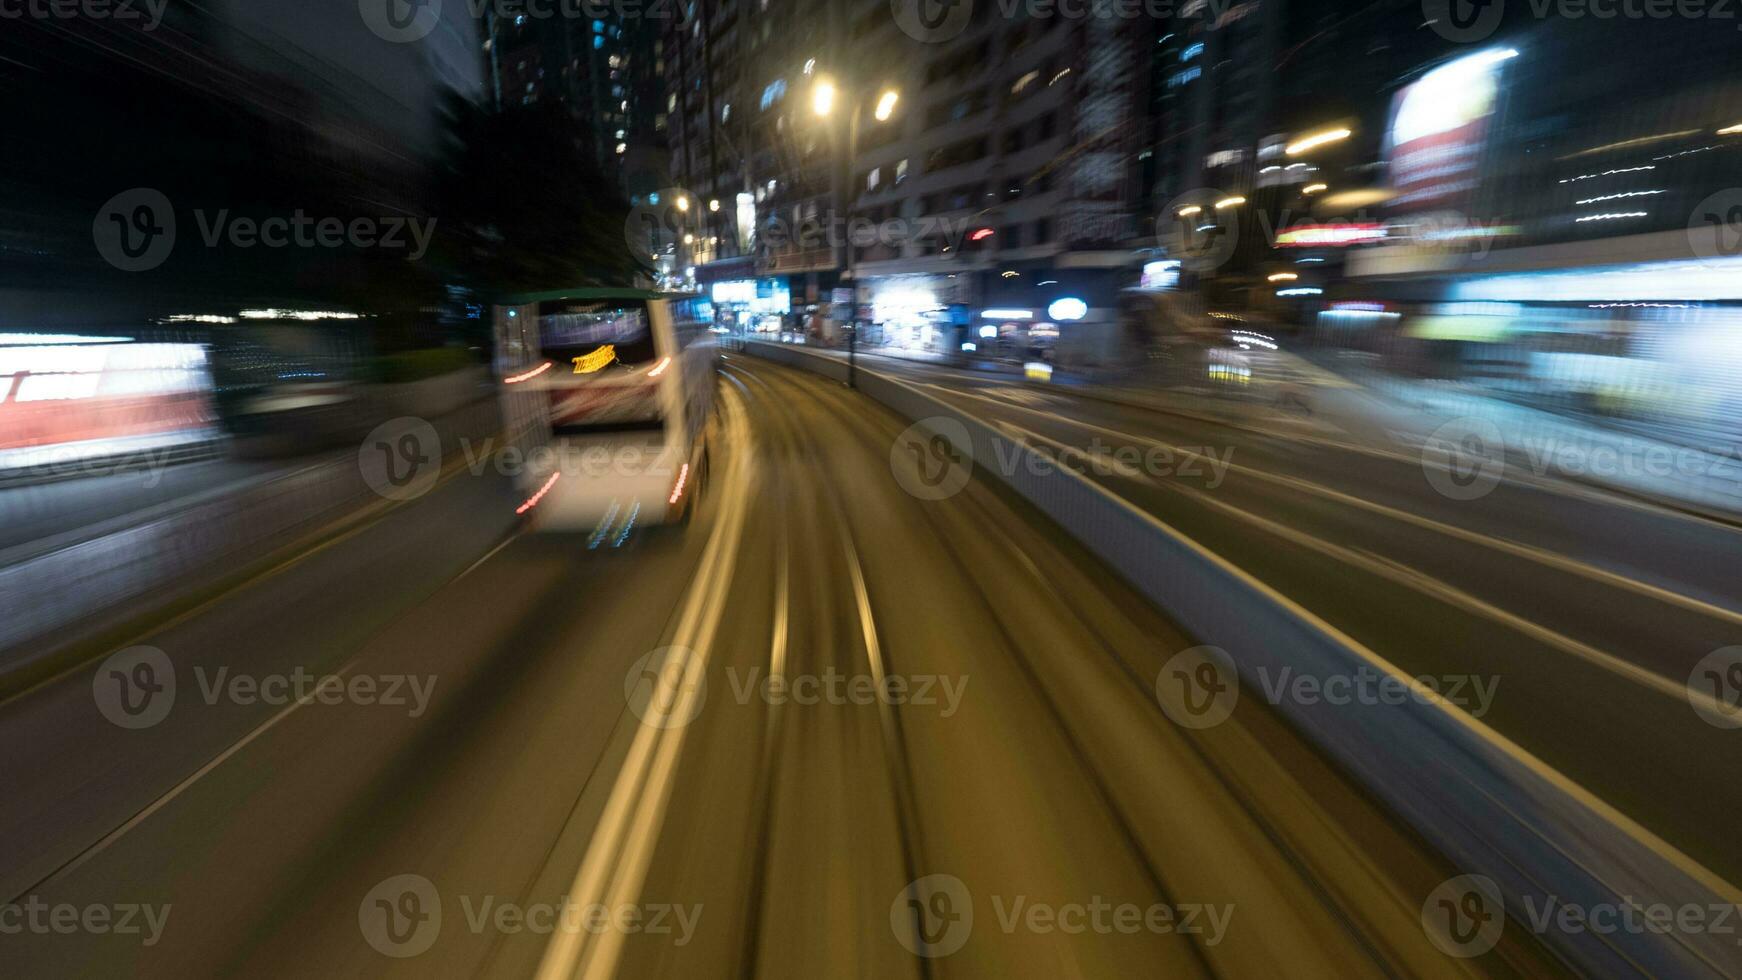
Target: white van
609,393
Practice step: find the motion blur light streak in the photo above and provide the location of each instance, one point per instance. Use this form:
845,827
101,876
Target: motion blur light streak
851,487
1313,142
538,497
528,376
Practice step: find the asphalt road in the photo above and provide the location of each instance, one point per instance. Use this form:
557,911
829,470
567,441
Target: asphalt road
1569,619
577,727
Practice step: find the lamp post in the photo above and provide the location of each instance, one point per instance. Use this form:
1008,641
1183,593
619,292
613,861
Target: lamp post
823,99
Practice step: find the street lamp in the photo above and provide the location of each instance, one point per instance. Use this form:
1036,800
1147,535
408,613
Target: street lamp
823,98
1316,140
886,105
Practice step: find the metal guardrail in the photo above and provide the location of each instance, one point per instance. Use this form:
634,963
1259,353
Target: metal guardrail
56,596
1485,804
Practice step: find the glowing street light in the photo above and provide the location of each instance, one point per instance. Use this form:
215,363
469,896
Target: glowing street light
1229,202
1317,140
886,105
714,205
1188,212
1315,188
1284,277
683,204
823,98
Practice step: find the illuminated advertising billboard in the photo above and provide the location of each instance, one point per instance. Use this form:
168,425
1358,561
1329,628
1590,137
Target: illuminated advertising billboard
1439,130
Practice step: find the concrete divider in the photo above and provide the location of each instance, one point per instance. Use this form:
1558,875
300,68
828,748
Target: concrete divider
1485,803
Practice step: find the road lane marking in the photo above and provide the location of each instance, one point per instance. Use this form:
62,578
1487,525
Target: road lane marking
615,865
1478,728
1529,552
1451,595
1427,585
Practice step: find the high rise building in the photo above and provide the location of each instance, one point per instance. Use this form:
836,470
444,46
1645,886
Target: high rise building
983,165
608,71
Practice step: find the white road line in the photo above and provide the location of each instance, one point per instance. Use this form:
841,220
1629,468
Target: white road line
1451,595
1427,585
182,787
1529,552
615,866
